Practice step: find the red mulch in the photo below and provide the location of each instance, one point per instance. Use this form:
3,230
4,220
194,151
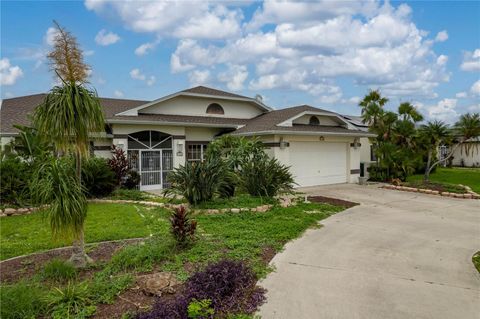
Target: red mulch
26,267
331,201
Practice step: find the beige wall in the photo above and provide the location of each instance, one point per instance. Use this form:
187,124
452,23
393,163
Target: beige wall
197,106
201,133
324,120
470,160
5,140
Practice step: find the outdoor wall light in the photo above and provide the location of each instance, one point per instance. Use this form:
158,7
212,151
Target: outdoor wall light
179,148
321,138
283,144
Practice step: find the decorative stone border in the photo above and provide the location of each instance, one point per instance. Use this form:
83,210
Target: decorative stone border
284,202
469,195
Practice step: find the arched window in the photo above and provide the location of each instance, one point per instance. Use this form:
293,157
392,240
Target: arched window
149,140
215,108
314,121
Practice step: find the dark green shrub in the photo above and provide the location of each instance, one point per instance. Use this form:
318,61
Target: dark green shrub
59,270
266,177
15,175
132,180
71,301
97,177
20,301
182,227
198,181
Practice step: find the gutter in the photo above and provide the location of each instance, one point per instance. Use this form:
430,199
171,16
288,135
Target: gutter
273,132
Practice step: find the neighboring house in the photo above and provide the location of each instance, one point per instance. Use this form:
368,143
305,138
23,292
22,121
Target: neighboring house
466,155
321,147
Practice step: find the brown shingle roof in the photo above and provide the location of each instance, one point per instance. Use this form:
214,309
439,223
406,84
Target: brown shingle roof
17,111
209,91
269,122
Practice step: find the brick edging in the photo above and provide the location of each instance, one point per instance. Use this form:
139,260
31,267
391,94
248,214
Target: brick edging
469,195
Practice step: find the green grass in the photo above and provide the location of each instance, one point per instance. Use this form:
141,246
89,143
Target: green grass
239,201
31,233
237,236
58,270
466,176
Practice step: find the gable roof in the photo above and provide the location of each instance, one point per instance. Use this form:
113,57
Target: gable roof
268,123
198,91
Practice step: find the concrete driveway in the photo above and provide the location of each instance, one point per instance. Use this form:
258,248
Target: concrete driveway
397,255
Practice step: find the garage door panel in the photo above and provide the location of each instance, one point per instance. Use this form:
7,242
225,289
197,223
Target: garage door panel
318,163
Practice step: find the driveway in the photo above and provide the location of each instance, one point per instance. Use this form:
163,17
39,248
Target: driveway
396,255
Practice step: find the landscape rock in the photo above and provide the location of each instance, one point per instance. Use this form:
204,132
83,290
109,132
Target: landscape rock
235,210
158,283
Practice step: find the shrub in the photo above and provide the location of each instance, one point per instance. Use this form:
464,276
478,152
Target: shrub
266,177
70,301
229,285
129,194
59,270
14,178
182,228
200,309
198,181
97,177
119,164
21,301
132,180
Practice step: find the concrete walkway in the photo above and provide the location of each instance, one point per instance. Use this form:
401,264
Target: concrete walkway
397,255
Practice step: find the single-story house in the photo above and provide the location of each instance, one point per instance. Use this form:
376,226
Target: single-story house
466,155
320,146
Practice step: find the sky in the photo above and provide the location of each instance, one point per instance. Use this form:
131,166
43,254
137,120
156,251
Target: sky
327,54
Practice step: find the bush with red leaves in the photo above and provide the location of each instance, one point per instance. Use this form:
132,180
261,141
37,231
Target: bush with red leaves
182,227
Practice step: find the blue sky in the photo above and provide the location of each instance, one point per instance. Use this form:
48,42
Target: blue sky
327,54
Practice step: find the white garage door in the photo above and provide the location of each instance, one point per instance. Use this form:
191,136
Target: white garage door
318,163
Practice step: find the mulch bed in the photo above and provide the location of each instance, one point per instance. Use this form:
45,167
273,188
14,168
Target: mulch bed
331,201
436,187
27,266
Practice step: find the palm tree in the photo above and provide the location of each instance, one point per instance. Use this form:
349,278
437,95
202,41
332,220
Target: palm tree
466,128
69,115
372,107
409,112
434,133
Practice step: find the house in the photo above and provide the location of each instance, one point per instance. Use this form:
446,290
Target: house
466,155
320,146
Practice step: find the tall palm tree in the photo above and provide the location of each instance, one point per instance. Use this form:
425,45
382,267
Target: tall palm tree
69,115
433,133
372,107
409,112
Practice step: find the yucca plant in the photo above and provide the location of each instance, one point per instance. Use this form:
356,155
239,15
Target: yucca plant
266,177
182,227
198,181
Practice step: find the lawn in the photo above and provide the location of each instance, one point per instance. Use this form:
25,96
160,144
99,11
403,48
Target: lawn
252,237
31,233
456,175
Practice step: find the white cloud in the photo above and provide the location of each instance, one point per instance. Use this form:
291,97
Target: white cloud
199,77
145,48
461,95
471,61
234,77
441,36
105,38
136,74
475,89
444,110
183,19
474,108
118,93
88,53
50,36
9,74
442,59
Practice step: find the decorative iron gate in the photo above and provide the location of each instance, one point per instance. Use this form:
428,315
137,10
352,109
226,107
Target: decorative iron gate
152,158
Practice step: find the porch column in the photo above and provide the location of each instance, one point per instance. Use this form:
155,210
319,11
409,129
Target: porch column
178,148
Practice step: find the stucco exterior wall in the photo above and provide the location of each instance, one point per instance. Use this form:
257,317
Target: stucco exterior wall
324,120
196,106
201,133
5,140
460,157
103,143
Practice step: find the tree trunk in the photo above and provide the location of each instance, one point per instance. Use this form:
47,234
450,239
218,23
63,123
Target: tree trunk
426,177
448,156
79,258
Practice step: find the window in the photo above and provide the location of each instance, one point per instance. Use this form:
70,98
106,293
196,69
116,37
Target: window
149,140
373,156
196,151
215,108
314,120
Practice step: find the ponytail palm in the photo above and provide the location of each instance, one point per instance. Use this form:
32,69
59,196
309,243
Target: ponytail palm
69,117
